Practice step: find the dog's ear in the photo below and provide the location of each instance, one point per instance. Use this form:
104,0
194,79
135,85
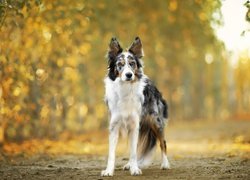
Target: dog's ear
114,48
136,48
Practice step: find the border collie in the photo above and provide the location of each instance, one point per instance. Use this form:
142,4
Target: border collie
135,104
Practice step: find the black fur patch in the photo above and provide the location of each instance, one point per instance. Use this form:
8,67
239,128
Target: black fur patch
138,62
112,74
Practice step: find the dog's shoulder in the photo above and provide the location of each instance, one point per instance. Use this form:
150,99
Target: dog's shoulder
150,90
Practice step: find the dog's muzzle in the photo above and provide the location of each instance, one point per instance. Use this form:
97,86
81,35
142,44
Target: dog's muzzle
128,76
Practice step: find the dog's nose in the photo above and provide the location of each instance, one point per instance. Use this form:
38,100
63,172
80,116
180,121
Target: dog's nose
128,75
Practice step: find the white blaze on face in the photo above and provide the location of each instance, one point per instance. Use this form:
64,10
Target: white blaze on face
127,73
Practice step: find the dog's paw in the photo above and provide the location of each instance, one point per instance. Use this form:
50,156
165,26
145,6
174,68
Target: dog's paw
126,166
107,172
165,165
135,171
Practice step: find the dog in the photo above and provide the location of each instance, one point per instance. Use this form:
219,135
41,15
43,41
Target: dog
135,104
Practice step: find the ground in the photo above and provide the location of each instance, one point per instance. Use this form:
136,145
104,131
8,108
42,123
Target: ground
196,150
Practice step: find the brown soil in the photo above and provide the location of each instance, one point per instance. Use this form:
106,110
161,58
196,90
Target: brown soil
196,150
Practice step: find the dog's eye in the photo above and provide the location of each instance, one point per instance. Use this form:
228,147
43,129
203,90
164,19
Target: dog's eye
120,65
132,64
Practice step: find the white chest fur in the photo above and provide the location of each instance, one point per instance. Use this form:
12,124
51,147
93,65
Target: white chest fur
124,98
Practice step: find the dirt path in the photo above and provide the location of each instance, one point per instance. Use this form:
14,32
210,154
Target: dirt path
196,151
83,167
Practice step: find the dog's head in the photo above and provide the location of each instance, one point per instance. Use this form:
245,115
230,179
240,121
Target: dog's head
126,65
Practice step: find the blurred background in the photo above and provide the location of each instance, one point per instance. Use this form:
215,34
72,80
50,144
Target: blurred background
52,61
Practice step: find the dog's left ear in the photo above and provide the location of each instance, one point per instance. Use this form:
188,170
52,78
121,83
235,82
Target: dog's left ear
136,48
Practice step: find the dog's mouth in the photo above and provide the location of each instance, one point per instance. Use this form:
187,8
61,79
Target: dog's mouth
129,79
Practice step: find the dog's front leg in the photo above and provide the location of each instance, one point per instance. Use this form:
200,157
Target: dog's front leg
133,136
113,138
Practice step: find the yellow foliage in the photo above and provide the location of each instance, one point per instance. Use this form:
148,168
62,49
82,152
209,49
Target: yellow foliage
17,108
83,110
173,5
85,48
17,91
239,139
202,16
71,74
100,111
1,134
44,112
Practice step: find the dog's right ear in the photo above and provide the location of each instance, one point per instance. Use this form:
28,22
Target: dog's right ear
114,48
